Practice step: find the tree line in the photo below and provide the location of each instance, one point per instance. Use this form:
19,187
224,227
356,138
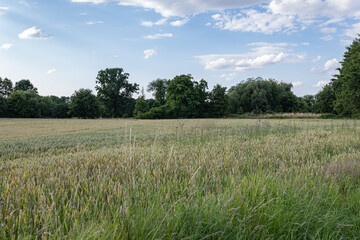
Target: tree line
183,97
180,97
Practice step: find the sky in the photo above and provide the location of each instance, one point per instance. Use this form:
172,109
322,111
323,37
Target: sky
60,45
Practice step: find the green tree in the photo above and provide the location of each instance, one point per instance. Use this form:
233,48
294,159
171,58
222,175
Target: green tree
24,85
346,84
24,104
258,95
185,96
4,107
141,107
114,90
219,103
324,100
6,87
84,104
158,88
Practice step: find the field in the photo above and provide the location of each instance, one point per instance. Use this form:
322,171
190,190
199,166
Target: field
180,179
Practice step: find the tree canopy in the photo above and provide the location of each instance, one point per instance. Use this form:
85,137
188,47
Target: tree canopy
260,96
346,84
84,104
24,85
114,90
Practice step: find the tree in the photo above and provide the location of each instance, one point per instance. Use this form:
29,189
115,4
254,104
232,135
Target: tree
3,107
158,87
24,85
114,90
309,101
6,87
84,104
141,107
219,103
24,104
258,95
186,97
324,100
346,84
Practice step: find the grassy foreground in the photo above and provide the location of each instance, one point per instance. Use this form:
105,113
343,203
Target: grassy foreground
179,179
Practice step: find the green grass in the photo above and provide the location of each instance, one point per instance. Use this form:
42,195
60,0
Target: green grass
180,179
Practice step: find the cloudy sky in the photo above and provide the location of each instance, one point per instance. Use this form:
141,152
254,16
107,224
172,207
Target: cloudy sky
60,45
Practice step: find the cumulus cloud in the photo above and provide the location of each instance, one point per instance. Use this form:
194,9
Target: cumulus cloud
321,84
297,84
254,21
51,71
329,67
262,55
159,35
34,33
6,46
3,10
149,53
179,23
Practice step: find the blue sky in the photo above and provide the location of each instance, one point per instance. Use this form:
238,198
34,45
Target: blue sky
60,45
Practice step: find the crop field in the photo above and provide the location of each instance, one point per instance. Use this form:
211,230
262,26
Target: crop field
179,179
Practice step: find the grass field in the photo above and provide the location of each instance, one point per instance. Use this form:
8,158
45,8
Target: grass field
180,179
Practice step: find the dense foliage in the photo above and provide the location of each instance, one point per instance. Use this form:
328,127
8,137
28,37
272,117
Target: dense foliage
114,90
182,97
346,84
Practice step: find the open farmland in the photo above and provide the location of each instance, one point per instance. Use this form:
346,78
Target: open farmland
179,179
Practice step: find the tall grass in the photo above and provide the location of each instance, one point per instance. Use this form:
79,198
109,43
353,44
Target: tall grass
180,179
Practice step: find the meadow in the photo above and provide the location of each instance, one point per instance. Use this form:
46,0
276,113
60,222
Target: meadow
179,179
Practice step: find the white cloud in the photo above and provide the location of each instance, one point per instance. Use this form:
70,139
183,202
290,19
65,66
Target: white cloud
353,31
321,84
318,58
51,71
169,8
229,76
346,42
149,53
91,1
329,67
159,35
3,10
181,8
328,30
157,23
297,84
34,33
94,22
316,8
6,46
180,23
332,21
327,38
254,21
262,55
